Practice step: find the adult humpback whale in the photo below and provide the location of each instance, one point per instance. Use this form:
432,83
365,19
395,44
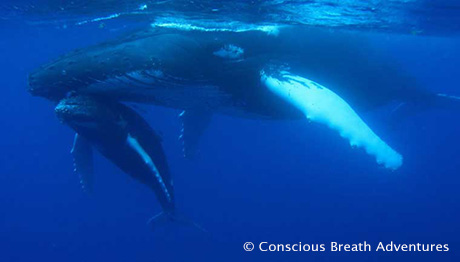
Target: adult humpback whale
281,73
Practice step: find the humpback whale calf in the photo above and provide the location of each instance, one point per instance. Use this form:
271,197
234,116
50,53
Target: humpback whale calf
123,137
287,72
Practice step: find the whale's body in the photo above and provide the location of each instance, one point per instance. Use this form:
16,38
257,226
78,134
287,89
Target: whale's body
249,73
325,76
123,137
219,70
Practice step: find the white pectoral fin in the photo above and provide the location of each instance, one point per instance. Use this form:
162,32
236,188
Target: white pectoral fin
134,144
321,105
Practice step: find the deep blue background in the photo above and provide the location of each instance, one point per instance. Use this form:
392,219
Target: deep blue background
280,182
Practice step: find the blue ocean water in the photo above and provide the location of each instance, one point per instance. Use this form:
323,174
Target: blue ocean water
253,180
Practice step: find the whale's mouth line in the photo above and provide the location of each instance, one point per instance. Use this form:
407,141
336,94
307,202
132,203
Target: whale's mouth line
144,79
36,89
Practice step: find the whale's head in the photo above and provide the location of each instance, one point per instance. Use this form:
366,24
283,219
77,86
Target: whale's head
139,62
47,82
79,111
70,72
90,116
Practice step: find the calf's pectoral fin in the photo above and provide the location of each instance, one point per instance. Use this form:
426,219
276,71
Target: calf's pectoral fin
134,144
321,105
82,153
